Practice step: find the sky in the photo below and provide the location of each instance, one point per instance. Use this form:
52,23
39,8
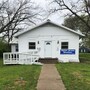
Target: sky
56,17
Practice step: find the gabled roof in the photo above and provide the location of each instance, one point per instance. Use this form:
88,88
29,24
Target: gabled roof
49,21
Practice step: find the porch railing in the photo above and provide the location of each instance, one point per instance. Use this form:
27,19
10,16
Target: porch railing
20,58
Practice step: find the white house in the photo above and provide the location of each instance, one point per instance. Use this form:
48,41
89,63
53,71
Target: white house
50,40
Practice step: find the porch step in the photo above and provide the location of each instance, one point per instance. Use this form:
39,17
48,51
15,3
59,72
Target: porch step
48,60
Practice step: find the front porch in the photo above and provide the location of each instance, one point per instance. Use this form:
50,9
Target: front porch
21,58
26,58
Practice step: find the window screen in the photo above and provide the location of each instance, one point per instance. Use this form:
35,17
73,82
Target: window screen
32,45
64,45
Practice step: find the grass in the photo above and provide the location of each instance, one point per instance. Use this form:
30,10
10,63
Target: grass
19,77
76,76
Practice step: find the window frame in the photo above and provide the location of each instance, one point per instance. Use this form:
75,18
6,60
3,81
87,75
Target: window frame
64,45
32,46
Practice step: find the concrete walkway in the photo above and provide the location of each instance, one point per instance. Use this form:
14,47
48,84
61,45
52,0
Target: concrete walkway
50,79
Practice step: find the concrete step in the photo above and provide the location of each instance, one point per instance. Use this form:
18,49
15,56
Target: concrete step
48,60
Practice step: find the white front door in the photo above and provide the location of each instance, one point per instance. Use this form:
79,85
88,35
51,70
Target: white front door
48,49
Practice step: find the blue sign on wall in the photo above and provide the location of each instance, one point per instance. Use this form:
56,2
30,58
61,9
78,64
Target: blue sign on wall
67,51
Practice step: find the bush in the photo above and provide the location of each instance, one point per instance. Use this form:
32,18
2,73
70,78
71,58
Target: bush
84,57
4,47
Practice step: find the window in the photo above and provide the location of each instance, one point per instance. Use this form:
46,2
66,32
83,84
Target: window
32,45
48,43
17,48
64,45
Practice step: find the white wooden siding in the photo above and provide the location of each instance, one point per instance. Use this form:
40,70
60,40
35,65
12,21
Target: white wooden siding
54,34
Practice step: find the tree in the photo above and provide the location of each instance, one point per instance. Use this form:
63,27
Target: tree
76,24
72,22
16,15
78,8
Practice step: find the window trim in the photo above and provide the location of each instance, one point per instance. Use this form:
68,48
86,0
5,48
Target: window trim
32,47
64,46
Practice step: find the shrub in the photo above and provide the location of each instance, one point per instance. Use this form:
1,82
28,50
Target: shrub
4,47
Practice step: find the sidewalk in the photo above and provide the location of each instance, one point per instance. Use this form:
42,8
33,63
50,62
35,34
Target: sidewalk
49,78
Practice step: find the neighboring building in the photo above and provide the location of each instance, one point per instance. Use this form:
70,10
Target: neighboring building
51,40
84,49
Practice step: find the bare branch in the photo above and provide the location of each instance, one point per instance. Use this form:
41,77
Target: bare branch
12,17
75,10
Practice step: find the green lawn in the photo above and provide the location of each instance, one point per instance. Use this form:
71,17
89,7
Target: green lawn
19,77
76,76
